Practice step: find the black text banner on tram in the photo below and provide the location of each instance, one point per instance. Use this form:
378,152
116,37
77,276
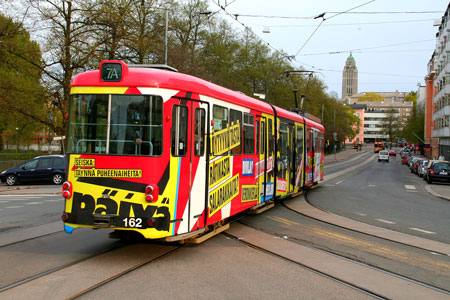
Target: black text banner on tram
225,139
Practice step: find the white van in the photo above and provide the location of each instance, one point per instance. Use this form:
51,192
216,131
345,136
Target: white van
383,155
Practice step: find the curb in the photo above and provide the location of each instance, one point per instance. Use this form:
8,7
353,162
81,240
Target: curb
433,193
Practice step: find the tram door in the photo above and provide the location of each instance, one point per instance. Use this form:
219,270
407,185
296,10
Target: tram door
188,151
291,158
298,156
285,173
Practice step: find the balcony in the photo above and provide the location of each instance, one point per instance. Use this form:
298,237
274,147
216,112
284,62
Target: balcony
444,72
441,132
442,92
445,111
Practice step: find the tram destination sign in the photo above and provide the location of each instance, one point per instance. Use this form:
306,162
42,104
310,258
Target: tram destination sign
111,72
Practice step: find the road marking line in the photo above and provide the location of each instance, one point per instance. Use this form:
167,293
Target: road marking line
339,182
4,201
410,187
282,220
34,203
422,230
385,221
329,184
54,200
14,207
371,185
361,214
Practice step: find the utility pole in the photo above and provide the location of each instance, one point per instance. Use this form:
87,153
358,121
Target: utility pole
334,134
165,38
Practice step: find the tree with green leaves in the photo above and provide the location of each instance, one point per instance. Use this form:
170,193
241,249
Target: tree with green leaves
22,97
371,97
391,126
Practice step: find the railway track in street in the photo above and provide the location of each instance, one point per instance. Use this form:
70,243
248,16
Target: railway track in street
373,281
81,277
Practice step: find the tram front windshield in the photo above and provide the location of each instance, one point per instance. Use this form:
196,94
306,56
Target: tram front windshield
134,127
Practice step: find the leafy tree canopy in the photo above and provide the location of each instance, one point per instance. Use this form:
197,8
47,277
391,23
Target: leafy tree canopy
371,97
21,95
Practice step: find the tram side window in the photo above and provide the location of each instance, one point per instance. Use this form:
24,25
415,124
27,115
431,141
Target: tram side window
283,146
319,142
271,141
236,117
199,132
299,144
220,117
257,136
179,130
263,137
249,134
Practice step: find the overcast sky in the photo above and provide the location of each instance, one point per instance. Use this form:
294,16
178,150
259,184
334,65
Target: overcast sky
391,40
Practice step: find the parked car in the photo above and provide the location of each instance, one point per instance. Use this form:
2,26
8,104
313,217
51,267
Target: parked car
412,161
422,167
427,166
438,171
383,155
405,160
50,168
415,165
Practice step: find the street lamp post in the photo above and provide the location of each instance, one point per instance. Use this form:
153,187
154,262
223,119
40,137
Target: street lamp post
17,139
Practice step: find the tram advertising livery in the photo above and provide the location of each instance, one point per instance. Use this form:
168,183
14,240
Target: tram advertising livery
172,156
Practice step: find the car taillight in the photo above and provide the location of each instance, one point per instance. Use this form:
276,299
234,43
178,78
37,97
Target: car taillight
151,193
67,189
431,172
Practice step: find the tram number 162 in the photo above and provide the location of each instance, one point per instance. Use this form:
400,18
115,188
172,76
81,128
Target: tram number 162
132,222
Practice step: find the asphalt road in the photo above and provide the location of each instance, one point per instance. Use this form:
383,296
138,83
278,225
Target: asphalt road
21,210
224,268
385,195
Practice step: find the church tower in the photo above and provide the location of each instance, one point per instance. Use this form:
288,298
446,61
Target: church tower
349,79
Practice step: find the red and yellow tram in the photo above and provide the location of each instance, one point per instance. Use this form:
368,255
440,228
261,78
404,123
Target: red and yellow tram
170,155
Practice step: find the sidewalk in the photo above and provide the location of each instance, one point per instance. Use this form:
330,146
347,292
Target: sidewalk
30,189
343,155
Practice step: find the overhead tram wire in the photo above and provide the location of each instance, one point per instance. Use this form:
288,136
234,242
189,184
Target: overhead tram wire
367,48
352,24
334,12
235,17
323,20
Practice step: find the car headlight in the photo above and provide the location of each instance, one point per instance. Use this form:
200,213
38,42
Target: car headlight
4,172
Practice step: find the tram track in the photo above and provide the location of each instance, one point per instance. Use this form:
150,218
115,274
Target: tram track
53,270
81,277
370,279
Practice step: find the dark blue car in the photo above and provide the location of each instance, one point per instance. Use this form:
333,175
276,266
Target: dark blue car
48,168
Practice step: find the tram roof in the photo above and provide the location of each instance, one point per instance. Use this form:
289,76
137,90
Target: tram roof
134,77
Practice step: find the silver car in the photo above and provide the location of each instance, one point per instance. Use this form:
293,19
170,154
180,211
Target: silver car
422,167
383,155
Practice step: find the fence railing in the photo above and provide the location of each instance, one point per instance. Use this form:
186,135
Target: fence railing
8,164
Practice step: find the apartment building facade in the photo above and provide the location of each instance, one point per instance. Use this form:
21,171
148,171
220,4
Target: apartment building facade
438,89
391,112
